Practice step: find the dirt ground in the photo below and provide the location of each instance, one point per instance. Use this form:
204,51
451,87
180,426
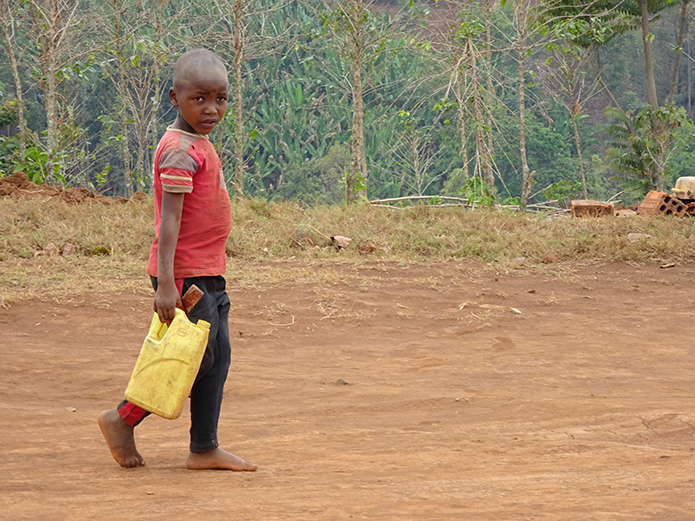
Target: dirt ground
376,396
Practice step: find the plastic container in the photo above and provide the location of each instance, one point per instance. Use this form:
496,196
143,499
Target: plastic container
685,188
168,364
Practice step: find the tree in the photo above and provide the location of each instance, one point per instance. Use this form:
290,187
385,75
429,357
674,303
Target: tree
239,48
360,33
521,13
236,17
565,75
7,20
467,45
55,24
682,27
642,145
654,125
603,20
139,39
119,33
349,24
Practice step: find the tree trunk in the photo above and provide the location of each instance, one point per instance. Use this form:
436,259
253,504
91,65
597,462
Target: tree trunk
648,62
483,166
125,150
459,83
152,126
461,120
679,44
660,159
238,101
122,88
578,143
49,57
573,107
9,40
358,160
526,175
489,91
357,154
690,76
144,144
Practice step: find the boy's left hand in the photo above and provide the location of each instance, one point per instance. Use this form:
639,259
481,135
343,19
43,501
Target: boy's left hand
166,300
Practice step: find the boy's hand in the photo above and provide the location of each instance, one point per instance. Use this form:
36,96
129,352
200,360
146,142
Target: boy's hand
166,300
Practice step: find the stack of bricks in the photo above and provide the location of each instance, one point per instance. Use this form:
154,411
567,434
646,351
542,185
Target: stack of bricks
661,203
589,208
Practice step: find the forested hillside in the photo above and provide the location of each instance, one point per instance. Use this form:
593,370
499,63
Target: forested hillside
523,100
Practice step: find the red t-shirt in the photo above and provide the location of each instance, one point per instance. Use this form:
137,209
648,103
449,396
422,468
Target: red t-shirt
188,163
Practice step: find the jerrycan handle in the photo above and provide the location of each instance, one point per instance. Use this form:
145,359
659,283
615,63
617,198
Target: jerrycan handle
189,300
158,329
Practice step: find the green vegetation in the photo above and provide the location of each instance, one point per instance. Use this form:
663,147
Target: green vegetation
445,93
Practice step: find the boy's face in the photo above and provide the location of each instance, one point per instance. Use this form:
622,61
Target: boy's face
201,101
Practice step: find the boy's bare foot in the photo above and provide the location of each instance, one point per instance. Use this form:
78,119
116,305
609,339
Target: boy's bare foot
120,439
217,459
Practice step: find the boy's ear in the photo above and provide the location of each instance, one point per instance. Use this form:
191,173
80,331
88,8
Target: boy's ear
172,97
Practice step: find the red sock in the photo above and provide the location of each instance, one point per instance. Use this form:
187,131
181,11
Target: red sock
132,414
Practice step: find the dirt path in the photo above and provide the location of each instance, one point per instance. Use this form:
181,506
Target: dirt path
377,399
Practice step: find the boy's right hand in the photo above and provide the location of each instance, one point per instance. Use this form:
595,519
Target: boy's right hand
166,300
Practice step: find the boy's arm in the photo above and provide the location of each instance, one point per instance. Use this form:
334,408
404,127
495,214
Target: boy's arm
167,296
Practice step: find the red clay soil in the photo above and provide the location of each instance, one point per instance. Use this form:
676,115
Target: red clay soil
381,399
19,186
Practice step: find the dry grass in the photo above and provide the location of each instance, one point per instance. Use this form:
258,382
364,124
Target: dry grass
112,243
120,231
282,230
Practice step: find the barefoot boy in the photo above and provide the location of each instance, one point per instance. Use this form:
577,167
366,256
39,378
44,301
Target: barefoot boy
192,223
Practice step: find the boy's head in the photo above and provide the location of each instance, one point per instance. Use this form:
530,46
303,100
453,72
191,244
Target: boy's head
199,91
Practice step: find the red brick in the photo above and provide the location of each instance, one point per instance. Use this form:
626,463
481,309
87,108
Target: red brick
661,203
589,208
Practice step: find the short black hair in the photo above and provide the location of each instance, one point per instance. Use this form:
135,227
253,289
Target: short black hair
196,61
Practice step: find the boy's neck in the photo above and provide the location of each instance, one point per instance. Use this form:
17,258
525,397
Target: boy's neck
181,125
174,129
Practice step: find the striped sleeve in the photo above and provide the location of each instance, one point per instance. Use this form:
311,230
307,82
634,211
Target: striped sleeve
176,169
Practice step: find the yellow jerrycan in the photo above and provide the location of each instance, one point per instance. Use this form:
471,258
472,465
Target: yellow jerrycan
168,364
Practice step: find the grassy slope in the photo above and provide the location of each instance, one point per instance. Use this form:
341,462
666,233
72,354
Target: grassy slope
113,242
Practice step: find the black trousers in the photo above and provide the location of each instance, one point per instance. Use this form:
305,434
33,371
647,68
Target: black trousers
207,391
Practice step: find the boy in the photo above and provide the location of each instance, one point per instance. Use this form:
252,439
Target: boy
192,223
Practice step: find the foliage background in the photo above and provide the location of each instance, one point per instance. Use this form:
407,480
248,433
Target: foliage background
297,104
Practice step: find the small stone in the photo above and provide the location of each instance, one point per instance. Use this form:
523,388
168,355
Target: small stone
340,381
369,248
68,250
341,242
51,249
71,409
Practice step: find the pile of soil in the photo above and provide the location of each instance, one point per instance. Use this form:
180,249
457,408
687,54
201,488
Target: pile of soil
18,186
